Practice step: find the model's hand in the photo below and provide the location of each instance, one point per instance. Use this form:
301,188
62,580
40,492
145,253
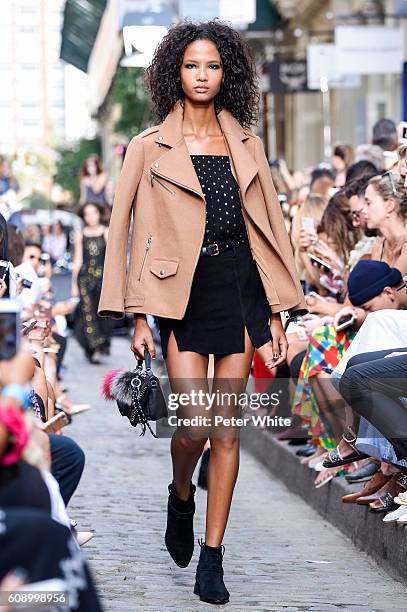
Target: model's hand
280,343
142,337
274,352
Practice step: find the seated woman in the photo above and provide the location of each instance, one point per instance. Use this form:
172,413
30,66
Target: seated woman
386,210
303,233
333,242
25,477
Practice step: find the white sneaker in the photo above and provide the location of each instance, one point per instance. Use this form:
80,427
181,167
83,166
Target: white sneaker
82,537
393,517
402,520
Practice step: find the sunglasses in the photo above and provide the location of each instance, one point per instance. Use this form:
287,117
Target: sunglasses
355,214
389,173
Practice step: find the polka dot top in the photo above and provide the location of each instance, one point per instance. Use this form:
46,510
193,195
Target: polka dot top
224,217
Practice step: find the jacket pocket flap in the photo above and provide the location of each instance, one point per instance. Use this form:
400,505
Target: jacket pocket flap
164,267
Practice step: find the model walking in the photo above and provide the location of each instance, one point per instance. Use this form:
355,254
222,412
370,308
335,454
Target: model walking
210,258
92,181
91,331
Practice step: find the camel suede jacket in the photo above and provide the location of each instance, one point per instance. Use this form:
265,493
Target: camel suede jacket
158,188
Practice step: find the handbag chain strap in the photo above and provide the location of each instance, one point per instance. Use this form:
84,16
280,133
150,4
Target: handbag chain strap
137,410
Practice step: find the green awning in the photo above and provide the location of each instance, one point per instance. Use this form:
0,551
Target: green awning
267,17
81,24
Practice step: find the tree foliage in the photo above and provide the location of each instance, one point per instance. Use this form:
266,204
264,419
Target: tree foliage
69,161
135,106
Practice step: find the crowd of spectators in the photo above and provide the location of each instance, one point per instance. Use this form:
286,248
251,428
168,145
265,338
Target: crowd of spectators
347,358
40,466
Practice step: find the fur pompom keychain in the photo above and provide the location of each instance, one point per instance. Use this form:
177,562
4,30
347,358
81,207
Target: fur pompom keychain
118,385
137,392
108,379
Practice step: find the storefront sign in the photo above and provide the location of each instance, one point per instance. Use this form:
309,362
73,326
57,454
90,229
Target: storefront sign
369,49
288,76
321,63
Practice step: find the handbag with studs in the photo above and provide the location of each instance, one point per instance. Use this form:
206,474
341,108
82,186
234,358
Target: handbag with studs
138,394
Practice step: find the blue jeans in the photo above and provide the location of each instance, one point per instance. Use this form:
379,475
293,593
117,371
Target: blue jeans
68,461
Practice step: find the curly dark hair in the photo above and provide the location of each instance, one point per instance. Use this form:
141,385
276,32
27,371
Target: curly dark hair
238,93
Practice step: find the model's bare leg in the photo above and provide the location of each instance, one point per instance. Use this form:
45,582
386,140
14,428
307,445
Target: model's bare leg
230,376
187,372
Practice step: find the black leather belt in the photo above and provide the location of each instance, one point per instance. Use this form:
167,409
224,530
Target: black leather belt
219,247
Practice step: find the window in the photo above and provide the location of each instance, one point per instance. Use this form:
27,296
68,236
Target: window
30,104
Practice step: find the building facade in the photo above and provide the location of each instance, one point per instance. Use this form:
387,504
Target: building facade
299,118
34,82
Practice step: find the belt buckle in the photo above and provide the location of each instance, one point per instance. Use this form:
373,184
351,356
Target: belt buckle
217,249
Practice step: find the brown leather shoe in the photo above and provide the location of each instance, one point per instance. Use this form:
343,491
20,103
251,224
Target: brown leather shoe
368,499
373,485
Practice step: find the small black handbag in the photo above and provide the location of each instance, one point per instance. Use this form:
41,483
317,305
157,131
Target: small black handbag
138,394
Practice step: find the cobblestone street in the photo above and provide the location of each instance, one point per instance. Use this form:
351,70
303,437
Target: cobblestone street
271,537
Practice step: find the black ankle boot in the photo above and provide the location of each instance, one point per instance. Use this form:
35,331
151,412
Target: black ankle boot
209,583
179,535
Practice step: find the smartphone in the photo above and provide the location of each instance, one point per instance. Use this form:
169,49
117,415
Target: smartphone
319,263
316,296
4,266
402,131
308,224
56,423
27,284
10,328
345,322
28,326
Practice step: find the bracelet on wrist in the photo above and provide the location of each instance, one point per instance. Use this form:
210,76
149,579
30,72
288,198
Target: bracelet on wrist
20,393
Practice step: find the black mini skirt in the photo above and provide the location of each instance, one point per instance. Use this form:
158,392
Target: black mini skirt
227,295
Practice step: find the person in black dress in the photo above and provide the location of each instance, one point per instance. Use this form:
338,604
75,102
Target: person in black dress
228,314
91,331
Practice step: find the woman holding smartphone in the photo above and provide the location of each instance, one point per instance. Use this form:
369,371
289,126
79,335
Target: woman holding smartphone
210,258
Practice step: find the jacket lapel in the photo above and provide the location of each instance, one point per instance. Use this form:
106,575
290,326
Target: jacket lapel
175,163
246,167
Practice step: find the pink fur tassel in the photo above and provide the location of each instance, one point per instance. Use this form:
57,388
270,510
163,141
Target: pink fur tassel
107,381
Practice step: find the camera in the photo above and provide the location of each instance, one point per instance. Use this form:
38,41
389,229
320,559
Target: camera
27,284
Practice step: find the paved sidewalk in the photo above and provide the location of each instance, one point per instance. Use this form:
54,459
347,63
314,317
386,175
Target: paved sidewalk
271,536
